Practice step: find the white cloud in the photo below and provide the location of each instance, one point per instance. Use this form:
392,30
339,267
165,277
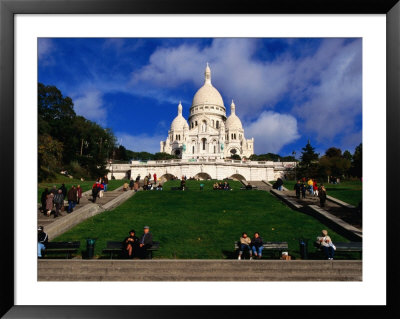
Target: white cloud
91,106
45,47
332,103
141,142
325,85
252,84
272,131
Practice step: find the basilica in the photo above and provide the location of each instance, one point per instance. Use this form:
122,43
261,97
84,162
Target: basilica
208,133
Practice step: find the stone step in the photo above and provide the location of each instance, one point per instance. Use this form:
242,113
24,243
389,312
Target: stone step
194,277
196,272
133,265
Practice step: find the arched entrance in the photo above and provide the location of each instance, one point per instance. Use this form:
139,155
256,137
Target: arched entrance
166,177
237,177
202,176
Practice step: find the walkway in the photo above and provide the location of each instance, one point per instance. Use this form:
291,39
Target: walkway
337,214
85,209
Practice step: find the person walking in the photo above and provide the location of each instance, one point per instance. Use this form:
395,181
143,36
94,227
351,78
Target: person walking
310,186
79,193
49,203
303,188
322,195
95,191
155,178
297,188
72,199
131,184
105,182
315,188
58,202
43,199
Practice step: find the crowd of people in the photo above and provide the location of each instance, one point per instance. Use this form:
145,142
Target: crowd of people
310,185
134,247
52,201
222,186
99,187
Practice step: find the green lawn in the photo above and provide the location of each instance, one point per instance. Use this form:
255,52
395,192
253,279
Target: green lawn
86,185
347,191
200,224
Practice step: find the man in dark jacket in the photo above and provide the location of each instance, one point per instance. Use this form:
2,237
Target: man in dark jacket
297,188
146,241
72,199
58,202
42,241
63,189
43,199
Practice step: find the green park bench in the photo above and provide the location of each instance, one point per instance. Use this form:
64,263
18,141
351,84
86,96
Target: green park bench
115,247
344,247
67,248
270,246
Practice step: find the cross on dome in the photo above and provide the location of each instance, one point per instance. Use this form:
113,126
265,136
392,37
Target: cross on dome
207,74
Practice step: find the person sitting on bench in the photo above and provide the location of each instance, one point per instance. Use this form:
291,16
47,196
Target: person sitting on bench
326,244
145,242
42,241
131,245
244,244
257,245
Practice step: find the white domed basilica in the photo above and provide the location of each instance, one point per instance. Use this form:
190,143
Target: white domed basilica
209,134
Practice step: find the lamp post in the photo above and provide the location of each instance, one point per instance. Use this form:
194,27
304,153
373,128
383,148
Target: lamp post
294,155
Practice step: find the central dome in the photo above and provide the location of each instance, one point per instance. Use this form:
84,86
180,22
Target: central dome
208,94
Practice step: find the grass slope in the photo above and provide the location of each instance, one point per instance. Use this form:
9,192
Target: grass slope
200,224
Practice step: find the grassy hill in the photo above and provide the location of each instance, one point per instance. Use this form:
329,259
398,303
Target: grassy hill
200,224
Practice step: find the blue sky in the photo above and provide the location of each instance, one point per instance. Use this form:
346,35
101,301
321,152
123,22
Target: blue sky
287,91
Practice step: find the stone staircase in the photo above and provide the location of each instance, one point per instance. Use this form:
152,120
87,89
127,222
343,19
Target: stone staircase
85,200
260,185
198,270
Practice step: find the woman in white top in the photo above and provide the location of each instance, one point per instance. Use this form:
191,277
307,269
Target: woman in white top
327,245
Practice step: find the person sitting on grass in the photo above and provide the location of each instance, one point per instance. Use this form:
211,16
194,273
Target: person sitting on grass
159,187
248,186
131,245
42,241
215,186
145,242
244,242
226,186
183,183
257,245
326,244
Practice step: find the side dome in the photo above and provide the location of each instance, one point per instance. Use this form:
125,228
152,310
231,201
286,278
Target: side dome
233,122
207,94
179,122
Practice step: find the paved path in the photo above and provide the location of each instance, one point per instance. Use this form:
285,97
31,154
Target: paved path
336,213
85,200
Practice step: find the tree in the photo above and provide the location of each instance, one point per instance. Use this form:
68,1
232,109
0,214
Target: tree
49,152
334,164
347,155
308,165
356,165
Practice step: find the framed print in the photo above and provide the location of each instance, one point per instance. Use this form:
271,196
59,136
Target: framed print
367,30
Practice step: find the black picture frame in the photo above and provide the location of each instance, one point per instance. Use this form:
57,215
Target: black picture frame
9,8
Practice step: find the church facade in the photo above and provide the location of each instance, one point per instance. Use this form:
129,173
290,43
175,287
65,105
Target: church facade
208,133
